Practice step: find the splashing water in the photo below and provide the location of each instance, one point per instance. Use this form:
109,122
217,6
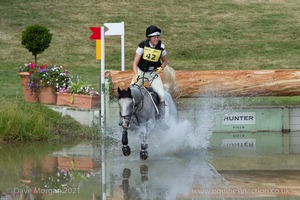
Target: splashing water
193,132
190,129
178,156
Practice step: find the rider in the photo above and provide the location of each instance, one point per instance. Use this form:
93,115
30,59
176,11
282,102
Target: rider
150,59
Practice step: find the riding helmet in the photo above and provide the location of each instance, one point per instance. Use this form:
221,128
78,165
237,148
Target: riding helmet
152,31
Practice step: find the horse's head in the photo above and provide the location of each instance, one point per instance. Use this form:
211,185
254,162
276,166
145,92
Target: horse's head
126,105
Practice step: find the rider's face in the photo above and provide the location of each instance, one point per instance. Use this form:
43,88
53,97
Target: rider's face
154,40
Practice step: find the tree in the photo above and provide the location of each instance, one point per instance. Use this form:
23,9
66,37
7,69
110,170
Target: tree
36,39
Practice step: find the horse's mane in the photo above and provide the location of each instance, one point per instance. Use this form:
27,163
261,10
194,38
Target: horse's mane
170,82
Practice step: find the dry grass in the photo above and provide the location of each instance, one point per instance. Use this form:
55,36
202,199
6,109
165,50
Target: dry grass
219,34
206,34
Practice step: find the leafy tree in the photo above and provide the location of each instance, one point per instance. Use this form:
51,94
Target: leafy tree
36,39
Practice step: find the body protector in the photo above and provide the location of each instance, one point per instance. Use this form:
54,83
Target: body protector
150,59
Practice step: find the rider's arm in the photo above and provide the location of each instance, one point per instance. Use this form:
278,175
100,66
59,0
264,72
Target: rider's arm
136,60
164,61
138,53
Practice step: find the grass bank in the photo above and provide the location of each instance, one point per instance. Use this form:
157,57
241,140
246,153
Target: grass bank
22,121
223,34
208,34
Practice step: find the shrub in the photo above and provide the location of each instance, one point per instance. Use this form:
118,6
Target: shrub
36,39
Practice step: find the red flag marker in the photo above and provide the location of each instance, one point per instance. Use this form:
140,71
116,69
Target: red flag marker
96,33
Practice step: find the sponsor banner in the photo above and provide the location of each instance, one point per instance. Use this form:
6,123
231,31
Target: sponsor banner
239,118
247,143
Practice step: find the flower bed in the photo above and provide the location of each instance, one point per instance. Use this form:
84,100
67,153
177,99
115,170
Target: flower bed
79,95
55,82
78,100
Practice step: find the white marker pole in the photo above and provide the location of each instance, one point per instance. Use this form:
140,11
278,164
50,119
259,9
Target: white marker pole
103,112
123,48
102,77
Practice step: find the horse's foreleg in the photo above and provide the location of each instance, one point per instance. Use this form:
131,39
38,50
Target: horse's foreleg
125,137
144,146
126,149
125,182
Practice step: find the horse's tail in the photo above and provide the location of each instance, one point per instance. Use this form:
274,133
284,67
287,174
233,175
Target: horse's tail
170,82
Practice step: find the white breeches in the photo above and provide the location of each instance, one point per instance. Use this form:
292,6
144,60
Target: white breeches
155,82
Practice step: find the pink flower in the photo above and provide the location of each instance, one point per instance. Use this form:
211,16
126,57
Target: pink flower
32,65
63,90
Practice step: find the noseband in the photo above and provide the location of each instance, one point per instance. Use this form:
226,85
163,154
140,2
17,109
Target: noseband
135,110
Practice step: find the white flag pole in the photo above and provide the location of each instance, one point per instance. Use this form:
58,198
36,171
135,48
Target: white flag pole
123,47
102,77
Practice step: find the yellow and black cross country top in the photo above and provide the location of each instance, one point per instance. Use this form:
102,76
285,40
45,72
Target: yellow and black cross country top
150,59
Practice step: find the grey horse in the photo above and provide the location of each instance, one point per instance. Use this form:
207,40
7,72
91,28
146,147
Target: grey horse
139,111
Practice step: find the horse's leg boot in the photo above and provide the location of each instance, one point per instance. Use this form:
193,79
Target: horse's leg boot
162,113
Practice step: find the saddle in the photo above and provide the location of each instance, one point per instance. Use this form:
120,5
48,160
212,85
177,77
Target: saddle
154,96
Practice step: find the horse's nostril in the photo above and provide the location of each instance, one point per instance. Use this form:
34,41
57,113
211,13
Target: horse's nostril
124,122
124,125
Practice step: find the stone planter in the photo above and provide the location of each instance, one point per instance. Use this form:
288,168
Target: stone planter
78,163
49,164
78,100
28,97
47,96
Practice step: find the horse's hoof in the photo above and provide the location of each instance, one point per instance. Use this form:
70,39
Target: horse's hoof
126,173
143,155
126,150
143,170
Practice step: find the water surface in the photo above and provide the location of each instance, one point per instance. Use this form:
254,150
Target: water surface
74,171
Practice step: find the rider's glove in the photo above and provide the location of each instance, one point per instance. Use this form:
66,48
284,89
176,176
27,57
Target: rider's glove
158,70
135,78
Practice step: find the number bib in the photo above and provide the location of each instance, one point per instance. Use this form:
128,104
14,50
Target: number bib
152,55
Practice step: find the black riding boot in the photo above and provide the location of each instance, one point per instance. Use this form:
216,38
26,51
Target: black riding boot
162,112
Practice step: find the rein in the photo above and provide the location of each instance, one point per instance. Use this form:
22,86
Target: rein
150,81
136,108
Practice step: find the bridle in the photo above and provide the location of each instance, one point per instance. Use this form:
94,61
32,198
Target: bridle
136,108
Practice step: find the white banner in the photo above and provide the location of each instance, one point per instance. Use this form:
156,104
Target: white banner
239,118
118,29
114,28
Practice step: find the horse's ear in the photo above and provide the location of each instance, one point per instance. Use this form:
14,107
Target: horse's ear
120,92
124,93
129,91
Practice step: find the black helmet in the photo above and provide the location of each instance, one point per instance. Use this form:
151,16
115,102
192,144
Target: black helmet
152,31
